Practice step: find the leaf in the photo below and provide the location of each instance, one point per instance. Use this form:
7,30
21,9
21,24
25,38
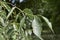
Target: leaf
22,21
28,11
37,27
10,12
4,4
2,21
49,23
29,31
1,37
15,26
10,31
3,14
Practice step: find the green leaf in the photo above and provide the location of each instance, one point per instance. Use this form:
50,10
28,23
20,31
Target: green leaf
1,37
28,11
22,21
15,26
9,31
3,14
4,4
29,31
49,23
2,21
37,27
10,12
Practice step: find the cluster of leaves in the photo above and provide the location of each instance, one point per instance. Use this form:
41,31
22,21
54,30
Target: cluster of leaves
17,24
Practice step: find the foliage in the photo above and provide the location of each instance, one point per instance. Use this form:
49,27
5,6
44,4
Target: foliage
17,24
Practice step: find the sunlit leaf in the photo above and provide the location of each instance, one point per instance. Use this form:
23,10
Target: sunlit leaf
10,12
37,27
3,14
0,8
26,33
2,21
4,4
29,31
49,23
15,27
